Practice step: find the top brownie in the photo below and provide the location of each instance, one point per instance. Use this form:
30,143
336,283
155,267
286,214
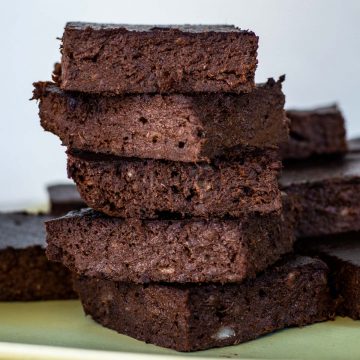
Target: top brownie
118,59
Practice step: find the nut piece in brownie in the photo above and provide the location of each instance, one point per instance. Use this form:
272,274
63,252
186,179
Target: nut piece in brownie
315,132
195,317
25,272
191,250
192,128
342,255
130,187
64,198
325,194
118,59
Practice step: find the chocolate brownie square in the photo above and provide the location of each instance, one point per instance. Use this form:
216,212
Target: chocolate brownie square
146,188
194,317
318,131
118,59
325,194
25,272
178,127
342,254
191,250
354,145
64,198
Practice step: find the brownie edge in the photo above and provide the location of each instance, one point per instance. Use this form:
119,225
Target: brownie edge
118,59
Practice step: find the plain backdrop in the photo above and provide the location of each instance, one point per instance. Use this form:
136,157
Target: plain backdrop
315,43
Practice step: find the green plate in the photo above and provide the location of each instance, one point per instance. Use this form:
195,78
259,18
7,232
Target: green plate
59,330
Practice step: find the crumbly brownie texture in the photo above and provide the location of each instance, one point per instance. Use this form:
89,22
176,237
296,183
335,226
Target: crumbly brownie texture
325,194
195,317
25,272
64,198
192,250
342,255
128,187
315,132
118,59
196,127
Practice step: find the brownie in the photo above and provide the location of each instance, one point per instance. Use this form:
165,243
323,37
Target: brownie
64,198
193,127
25,272
190,250
319,131
342,255
194,317
118,59
325,194
130,187
354,145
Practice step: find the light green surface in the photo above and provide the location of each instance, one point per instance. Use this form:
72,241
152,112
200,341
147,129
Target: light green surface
62,324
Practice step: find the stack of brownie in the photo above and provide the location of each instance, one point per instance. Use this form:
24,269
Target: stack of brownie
176,152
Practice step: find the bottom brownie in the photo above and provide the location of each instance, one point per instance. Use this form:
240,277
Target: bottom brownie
194,317
342,255
25,272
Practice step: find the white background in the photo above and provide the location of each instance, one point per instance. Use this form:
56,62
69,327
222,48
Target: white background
315,43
